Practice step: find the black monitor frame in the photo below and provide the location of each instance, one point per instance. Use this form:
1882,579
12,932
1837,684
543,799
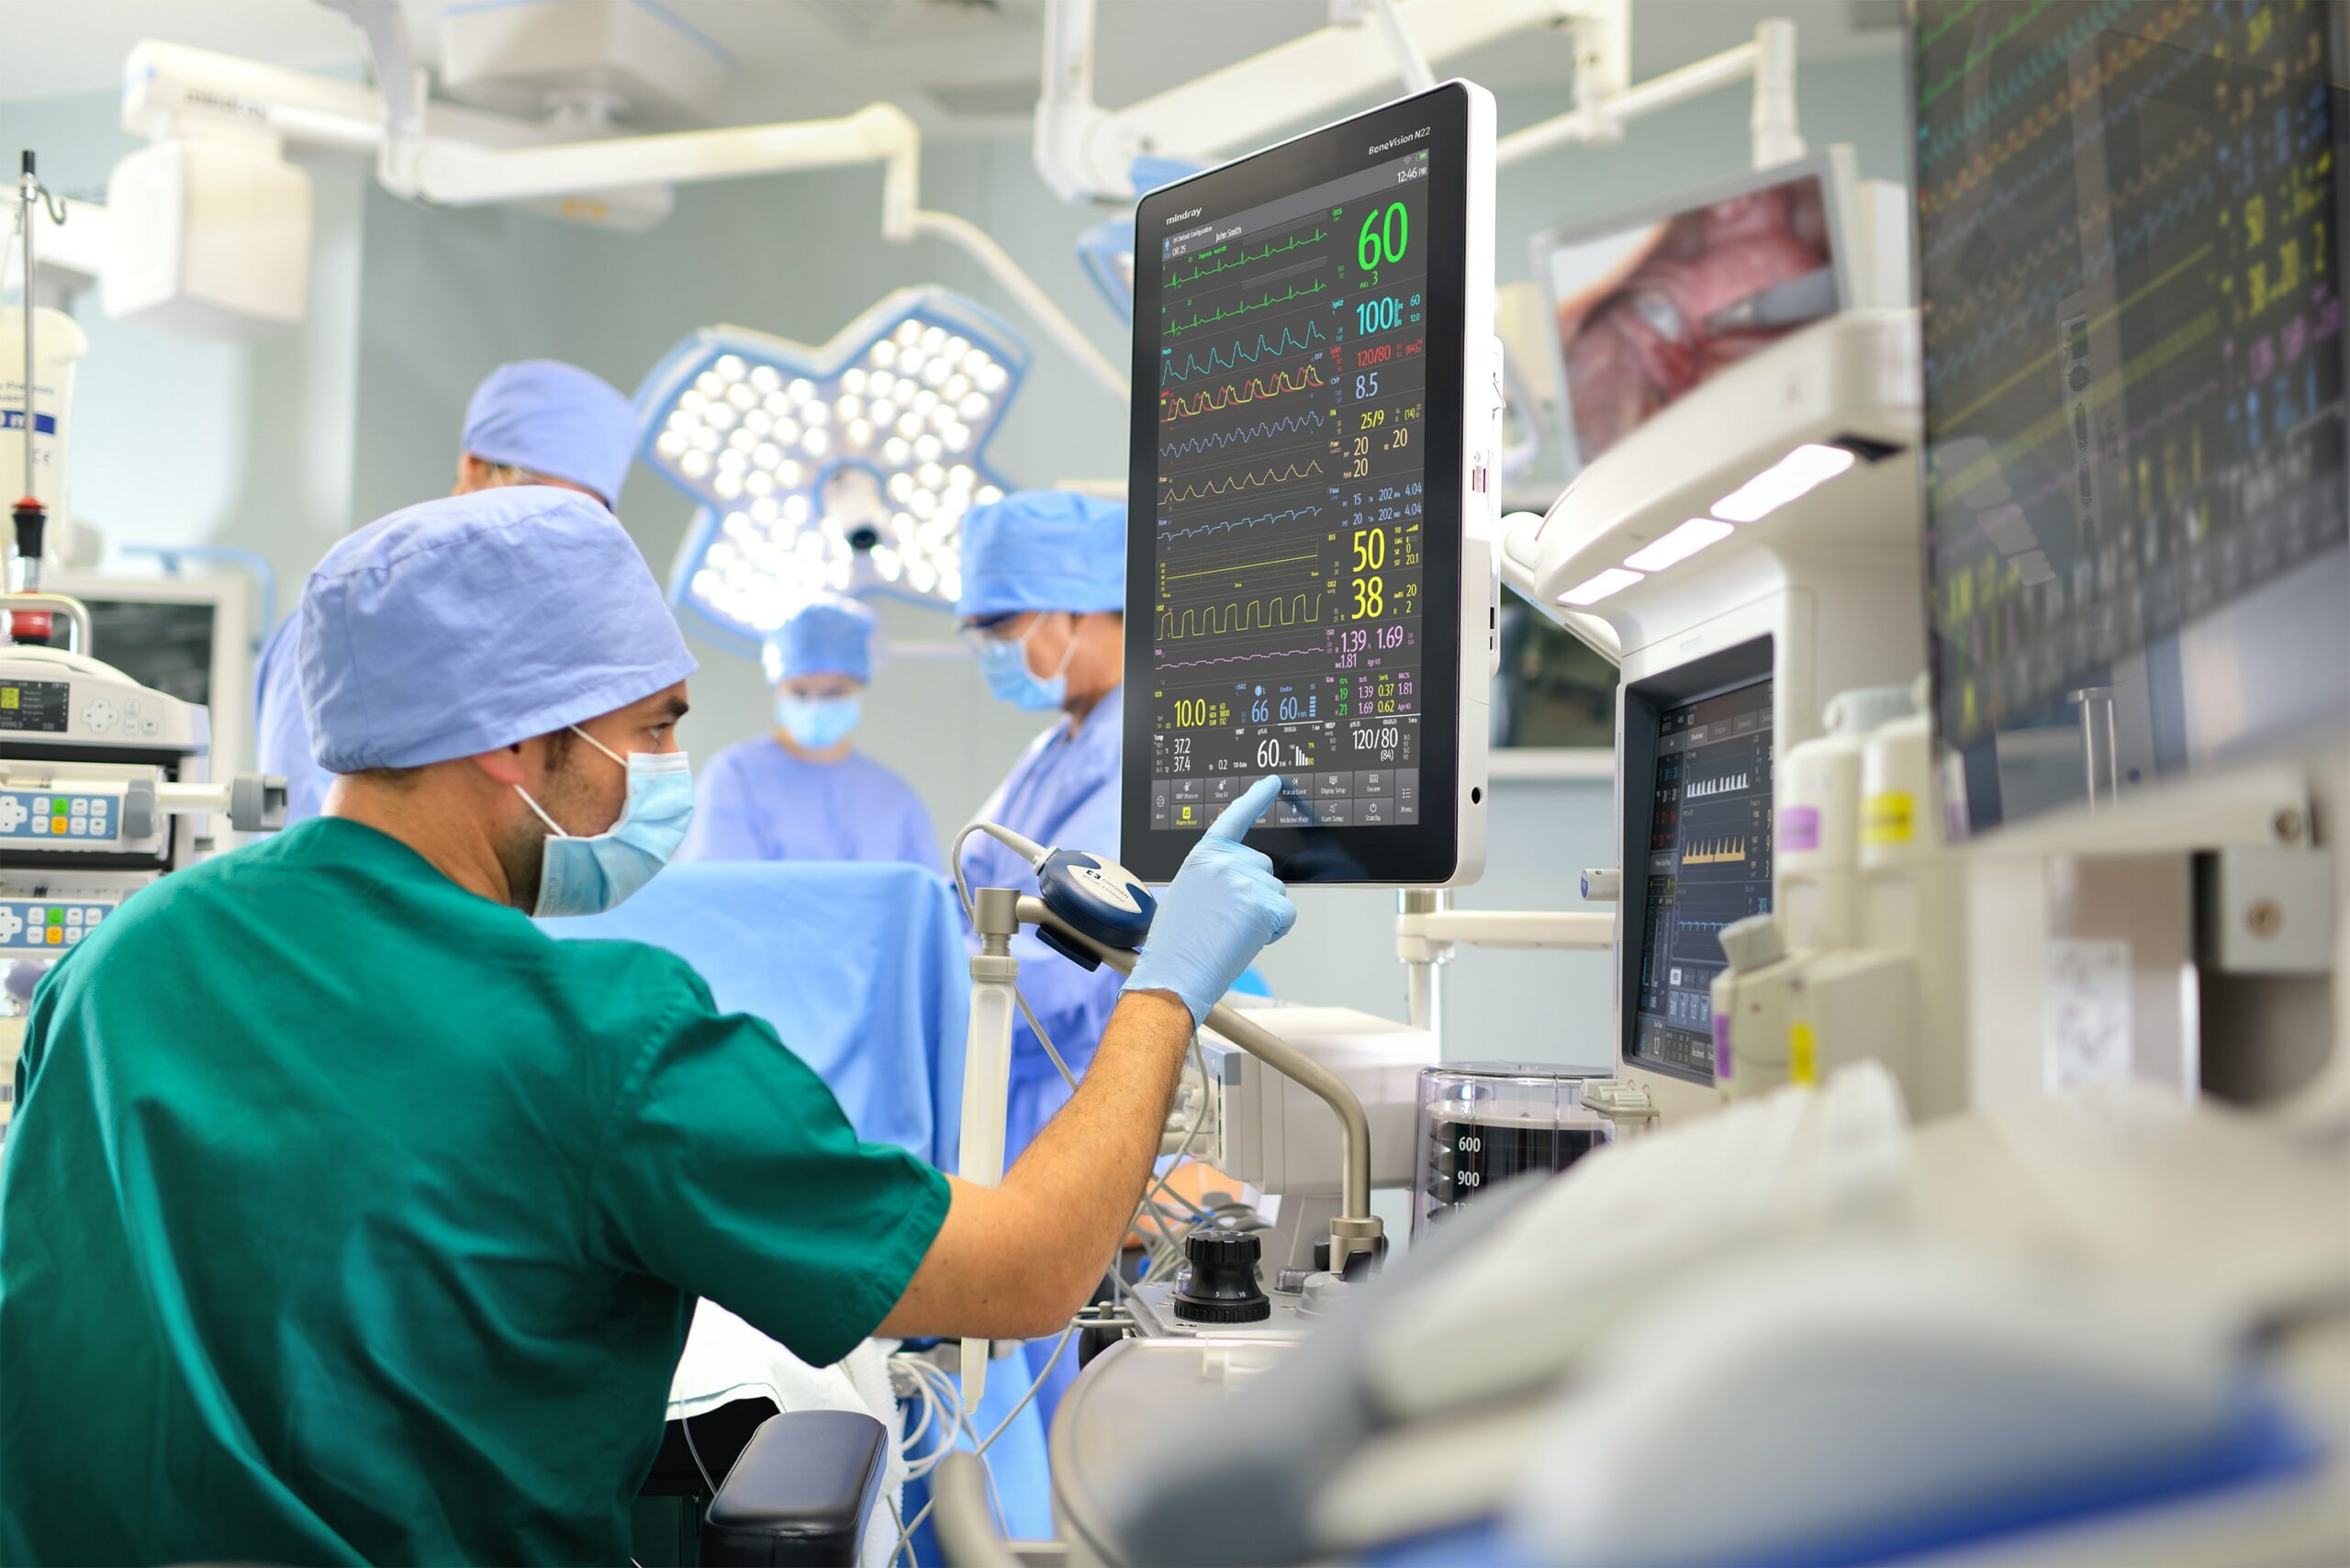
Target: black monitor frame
1427,852
1645,702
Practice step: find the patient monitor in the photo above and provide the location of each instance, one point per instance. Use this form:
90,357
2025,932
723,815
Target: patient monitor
1742,561
1312,497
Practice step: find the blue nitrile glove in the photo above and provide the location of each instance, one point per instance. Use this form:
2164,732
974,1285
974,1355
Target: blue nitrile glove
1223,905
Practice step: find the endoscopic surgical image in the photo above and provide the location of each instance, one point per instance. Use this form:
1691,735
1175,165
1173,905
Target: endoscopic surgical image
1647,315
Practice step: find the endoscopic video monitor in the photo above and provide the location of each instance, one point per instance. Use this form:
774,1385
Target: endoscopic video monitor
1647,305
2131,220
1302,596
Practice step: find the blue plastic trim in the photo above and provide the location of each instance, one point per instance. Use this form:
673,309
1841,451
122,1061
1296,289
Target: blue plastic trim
2263,1443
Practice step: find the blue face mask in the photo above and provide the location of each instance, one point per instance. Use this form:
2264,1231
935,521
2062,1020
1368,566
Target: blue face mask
587,875
1006,665
818,723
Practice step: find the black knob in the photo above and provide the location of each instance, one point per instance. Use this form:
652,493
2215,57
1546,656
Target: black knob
1219,1284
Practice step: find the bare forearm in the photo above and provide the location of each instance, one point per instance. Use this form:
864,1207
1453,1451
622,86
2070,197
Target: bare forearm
1088,1166
1017,1259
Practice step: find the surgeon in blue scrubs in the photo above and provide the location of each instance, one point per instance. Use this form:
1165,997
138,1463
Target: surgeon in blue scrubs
535,421
802,792
1044,609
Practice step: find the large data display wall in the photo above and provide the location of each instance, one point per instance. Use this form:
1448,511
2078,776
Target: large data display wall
2129,250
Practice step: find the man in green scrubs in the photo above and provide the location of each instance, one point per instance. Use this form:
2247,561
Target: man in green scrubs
347,1216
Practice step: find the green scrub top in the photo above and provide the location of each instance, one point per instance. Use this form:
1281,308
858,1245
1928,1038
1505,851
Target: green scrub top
347,1216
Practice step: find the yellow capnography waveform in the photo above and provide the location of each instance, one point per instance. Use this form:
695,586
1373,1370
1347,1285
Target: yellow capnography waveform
1714,852
1174,406
1288,476
1241,615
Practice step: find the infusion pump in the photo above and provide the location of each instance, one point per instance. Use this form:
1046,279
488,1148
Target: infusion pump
104,787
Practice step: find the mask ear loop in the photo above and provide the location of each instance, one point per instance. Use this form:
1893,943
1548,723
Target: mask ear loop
539,811
1068,653
553,827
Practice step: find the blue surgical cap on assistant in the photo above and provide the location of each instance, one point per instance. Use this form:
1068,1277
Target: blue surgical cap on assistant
474,621
826,636
556,419
1043,550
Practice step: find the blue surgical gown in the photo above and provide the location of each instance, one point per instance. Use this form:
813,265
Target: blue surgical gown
757,802
862,969
1063,792
282,730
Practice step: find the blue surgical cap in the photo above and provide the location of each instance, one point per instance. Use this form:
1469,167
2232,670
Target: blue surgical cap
474,621
826,636
1043,550
556,419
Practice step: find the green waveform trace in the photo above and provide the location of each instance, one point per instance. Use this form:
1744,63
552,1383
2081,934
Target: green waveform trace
1198,273
1268,303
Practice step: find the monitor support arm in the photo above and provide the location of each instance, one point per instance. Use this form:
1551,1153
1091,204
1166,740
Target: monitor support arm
1428,928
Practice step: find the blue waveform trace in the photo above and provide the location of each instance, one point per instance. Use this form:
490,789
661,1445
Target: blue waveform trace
2012,189
1168,531
1219,439
1217,363
2131,237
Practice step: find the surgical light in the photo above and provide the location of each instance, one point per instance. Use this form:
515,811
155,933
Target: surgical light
1679,544
810,465
1106,251
1591,590
1797,473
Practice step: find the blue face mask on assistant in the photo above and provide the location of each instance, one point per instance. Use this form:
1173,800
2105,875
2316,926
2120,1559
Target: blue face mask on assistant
818,723
589,874
1006,665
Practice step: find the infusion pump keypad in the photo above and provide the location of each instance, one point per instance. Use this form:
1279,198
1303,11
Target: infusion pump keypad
49,925
49,820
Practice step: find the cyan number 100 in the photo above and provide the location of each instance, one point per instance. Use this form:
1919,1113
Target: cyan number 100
1378,315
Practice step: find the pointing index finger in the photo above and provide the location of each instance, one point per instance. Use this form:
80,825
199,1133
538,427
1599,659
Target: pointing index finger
1237,818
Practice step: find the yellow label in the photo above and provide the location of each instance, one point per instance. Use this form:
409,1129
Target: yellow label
1803,1054
1889,818
8,696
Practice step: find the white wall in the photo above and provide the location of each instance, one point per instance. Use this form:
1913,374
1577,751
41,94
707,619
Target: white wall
181,441
284,445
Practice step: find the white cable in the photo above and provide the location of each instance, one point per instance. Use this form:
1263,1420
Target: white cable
907,1527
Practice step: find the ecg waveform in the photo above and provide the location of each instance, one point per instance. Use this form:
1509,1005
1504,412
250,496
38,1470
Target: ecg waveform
1305,378
1221,360
1241,615
1270,302
1241,435
1288,476
1234,265
1166,531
